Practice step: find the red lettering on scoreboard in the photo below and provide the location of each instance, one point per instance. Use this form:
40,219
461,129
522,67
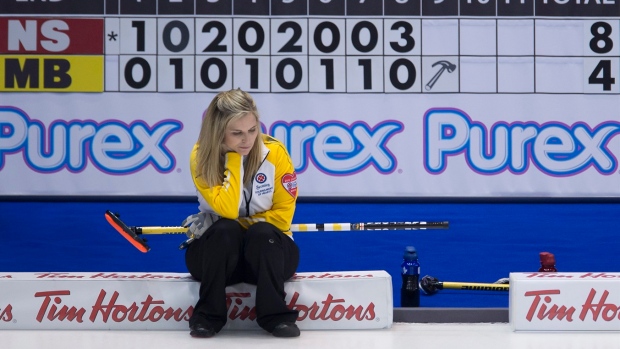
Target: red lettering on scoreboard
27,35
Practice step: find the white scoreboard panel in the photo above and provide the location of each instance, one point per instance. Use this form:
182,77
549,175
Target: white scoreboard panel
388,98
352,46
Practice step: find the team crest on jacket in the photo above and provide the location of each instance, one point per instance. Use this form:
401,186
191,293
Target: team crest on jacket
289,181
260,178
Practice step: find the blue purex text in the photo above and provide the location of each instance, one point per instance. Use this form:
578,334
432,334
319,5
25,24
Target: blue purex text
554,148
112,146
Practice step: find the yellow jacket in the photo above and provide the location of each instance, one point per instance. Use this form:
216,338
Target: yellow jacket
270,197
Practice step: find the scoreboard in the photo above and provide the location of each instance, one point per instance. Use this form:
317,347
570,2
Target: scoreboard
311,46
372,98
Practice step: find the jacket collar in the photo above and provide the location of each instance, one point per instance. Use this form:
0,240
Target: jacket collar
264,149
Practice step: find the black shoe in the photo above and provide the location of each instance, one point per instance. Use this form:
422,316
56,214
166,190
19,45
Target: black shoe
201,330
286,329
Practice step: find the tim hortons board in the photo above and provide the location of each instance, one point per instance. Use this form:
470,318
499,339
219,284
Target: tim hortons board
164,301
565,301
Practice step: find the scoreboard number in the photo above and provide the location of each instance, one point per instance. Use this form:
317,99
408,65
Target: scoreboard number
214,36
601,74
136,36
364,37
326,37
402,37
252,73
252,36
289,74
138,73
365,74
289,37
175,36
213,73
175,73
401,74
327,74
600,67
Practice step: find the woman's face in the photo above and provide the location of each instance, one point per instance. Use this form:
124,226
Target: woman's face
241,134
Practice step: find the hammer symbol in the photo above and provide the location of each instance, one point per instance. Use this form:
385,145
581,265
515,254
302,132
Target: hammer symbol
445,65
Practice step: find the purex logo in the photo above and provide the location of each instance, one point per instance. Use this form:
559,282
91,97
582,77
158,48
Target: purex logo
338,149
554,148
112,146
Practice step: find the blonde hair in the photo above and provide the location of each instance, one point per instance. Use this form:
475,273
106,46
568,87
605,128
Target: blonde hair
226,107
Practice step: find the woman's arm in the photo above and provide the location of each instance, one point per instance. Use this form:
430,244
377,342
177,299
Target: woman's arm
226,198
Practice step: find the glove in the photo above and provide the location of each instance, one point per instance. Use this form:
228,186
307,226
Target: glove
197,224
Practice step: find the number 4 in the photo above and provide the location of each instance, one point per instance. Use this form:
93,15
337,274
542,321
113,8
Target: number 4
603,68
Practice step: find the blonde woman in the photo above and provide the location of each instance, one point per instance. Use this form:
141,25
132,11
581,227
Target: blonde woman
247,189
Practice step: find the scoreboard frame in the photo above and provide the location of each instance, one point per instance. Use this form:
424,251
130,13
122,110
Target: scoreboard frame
314,46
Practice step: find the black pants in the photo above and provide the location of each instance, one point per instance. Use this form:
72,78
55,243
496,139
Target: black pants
228,254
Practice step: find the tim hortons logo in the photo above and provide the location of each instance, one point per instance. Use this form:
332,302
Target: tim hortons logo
543,307
6,313
333,309
330,276
53,309
111,276
577,276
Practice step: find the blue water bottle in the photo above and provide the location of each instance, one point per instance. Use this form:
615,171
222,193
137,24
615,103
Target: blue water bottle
410,271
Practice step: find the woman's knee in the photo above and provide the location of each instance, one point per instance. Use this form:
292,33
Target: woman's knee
262,232
263,239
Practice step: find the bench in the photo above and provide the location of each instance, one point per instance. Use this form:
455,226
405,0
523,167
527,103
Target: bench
164,301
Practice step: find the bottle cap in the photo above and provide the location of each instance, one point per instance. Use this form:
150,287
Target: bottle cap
547,258
410,253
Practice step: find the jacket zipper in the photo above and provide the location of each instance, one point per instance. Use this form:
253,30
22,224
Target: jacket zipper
247,201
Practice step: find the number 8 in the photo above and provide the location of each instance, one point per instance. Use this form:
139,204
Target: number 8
608,44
